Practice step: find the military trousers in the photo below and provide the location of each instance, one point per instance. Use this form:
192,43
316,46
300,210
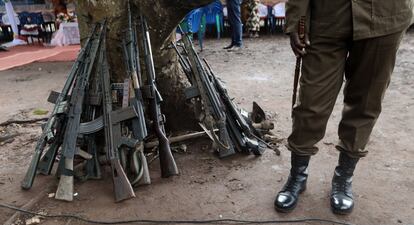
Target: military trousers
364,68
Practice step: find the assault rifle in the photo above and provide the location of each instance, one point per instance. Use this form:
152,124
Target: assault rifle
185,64
53,130
92,169
167,162
70,141
131,59
242,132
113,135
235,126
215,109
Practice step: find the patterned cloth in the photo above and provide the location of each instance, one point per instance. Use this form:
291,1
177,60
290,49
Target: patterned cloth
253,22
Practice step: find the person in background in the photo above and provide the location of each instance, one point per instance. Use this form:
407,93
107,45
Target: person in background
253,22
234,14
59,7
352,40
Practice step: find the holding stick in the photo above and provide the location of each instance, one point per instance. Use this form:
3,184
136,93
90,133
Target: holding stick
301,32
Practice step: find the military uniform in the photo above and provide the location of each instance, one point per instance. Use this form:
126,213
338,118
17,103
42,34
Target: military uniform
355,40
358,38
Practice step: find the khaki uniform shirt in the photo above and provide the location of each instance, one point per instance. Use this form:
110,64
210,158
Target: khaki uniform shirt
369,18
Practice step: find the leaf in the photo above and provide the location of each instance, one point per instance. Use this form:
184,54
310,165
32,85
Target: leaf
39,112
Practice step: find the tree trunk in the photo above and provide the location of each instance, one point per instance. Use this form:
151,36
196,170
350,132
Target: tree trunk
163,16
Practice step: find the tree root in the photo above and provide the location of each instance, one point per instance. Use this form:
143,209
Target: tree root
22,121
7,138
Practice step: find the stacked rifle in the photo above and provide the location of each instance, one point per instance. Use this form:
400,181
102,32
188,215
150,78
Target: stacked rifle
91,109
68,122
237,130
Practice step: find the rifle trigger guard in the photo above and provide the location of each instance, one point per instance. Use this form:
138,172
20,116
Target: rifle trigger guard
129,142
162,119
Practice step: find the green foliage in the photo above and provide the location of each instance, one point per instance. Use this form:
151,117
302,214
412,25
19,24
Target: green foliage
39,112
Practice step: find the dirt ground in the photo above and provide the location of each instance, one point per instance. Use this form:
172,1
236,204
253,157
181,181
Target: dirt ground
241,187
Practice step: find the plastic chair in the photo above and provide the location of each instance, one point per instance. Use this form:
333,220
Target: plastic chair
23,17
279,16
6,31
37,18
48,16
214,16
2,35
194,23
33,18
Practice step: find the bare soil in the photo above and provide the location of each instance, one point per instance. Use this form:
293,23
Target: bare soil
241,187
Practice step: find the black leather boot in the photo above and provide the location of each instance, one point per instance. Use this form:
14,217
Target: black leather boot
342,201
287,198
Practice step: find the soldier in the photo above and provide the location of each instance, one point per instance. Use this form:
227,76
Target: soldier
356,40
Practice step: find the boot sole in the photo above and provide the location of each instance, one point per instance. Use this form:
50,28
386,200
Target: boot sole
286,210
341,212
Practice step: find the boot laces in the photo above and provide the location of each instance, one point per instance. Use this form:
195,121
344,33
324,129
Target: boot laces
340,185
293,185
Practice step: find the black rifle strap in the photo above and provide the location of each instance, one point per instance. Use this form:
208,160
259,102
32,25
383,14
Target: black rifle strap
67,172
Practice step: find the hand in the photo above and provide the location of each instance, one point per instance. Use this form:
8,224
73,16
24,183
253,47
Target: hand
297,46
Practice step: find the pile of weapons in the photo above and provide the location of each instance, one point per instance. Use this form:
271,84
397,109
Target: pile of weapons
91,109
237,130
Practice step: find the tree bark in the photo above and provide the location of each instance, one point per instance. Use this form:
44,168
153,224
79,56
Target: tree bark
162,16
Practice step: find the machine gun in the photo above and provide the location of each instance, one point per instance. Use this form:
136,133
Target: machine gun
167,162
53,130
215,109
